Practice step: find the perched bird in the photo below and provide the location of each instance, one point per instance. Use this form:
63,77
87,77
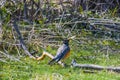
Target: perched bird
62,52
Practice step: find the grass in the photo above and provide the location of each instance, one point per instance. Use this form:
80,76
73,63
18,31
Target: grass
29,69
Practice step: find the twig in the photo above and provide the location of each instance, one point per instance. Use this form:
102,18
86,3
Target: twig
3,61
9,56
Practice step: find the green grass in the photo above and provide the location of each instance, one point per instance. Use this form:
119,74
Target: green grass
29,69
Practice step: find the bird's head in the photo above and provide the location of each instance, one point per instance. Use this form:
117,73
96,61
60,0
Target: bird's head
66,41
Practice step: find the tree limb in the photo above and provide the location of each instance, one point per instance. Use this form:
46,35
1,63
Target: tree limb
94,67
21,40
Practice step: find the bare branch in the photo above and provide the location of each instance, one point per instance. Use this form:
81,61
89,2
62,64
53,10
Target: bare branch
50,56
22,41
94,67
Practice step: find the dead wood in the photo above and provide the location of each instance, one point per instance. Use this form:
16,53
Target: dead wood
44,54
21,40
94,67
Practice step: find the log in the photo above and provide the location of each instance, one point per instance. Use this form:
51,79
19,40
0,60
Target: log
94,67
44,54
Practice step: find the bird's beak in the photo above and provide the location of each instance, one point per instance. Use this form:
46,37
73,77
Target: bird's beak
71,38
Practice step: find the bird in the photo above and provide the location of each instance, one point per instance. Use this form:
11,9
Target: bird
63,52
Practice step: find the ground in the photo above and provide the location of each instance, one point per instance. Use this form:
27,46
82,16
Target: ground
29,69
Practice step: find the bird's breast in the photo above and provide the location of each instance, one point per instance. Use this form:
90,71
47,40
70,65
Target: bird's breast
67,55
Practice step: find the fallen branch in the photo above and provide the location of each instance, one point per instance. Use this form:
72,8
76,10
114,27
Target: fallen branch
6,55
44,54
21,40
94,67
86,66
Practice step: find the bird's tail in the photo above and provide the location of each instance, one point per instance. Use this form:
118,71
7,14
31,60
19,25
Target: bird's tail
51,62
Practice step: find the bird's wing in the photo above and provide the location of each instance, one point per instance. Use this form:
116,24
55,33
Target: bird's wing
61,52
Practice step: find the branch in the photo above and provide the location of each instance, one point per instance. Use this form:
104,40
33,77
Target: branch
1,60
50,56
8,56
21,40
95,67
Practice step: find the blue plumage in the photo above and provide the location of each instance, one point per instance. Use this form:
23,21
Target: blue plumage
61,52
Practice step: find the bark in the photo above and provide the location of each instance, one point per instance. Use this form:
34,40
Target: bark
94,67
0,30
21,40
